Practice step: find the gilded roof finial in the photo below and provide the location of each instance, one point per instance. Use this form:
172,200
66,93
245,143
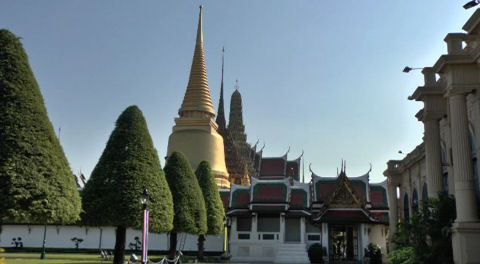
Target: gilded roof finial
197,96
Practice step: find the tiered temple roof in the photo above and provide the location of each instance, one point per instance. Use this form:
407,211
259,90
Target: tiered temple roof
326,199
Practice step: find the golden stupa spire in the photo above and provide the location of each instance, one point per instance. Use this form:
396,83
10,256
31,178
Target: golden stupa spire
197,97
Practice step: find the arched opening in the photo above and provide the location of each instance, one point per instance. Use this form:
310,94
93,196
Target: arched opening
475,167
424,192
444,169
415,201
406,209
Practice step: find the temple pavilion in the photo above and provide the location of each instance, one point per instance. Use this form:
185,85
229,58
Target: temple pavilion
272,214
277,217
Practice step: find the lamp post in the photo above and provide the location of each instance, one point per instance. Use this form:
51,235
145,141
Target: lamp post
408,69
470,4
144,200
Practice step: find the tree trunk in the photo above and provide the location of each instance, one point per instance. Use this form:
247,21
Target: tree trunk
173,245
201,247
119,253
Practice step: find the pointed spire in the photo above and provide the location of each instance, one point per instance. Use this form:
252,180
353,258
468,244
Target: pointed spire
197,96
235,121
222,124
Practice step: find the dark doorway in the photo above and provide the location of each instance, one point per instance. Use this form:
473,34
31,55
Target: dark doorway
343,242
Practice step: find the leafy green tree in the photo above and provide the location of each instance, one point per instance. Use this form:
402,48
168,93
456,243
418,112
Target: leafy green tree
189,206
404,255
36,182
428,231
213,203
128,164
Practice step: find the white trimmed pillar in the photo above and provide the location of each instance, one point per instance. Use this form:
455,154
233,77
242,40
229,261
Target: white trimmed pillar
302,229
325,237
462,161
281,238
393,212
433,157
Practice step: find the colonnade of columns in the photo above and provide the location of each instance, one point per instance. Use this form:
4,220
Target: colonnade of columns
446,98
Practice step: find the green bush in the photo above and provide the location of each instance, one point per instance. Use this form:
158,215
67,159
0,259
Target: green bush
405,255
315,253
374,253
431,223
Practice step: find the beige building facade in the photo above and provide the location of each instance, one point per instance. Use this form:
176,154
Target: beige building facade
446,160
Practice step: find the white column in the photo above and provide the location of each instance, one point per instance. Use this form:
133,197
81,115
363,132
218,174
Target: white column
325,237
462,161
254,233
233,229
433,157
363,235
393,214
302,229
282,228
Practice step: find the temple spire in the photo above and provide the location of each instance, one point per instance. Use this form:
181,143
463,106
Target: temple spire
235,121
197,96
221,111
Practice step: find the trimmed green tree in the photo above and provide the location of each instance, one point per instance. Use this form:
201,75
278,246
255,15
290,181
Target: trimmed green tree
213,204
129,163
189,206
36,182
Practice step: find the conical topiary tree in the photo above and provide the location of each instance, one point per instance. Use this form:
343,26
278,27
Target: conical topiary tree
213,203
128,164
189,206
36,183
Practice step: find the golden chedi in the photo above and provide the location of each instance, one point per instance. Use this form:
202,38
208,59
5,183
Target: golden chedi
195,131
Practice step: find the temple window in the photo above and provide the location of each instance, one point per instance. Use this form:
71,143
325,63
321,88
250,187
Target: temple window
268,224
244,226
313,232
268,227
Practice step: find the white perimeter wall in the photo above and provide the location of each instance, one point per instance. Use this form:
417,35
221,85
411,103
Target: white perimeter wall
60,237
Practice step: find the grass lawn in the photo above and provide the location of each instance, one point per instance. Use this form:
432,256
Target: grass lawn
67,258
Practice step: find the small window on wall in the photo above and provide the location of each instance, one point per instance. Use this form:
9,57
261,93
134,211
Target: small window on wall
313,237
243,236
244,224
268,224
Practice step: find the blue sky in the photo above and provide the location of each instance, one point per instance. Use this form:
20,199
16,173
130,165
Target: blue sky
322,76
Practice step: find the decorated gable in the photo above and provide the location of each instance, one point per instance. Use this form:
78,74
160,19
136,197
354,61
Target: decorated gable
344,216
360,188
